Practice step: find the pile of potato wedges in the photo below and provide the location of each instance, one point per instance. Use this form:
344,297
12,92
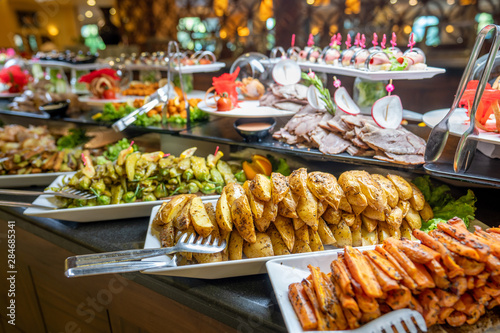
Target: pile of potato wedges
300,213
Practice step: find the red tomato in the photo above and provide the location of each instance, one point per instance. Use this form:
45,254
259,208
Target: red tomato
224,103
109,94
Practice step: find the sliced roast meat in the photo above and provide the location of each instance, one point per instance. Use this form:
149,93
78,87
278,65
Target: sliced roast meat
318,135
337,125
355,151
324,121
288,106
295,91
359,143
407,159
394,141
333,144
349,135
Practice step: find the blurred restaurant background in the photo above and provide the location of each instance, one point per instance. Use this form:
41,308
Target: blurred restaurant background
444,29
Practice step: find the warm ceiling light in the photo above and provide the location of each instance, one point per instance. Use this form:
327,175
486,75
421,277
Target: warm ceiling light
413,2
243,32
81,17
91,2
449,28
112,11
223,34
450,2
310,2
407,29
89,14
52,30
393,2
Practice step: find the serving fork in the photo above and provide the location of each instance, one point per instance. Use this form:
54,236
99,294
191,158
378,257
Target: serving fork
393,322
128,260
439,134
65,192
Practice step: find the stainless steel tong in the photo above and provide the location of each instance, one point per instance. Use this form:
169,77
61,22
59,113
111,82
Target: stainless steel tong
439,134
66,193
123,261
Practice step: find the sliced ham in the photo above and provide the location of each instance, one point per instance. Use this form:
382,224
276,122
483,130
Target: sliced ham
333,144
407,159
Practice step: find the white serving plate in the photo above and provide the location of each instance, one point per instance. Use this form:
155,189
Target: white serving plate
459,122
90,214
35,179
91,100
214,67
216,270
379,75
245,109
285,270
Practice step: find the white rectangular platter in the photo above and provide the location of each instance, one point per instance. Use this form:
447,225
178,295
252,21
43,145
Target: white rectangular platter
214,67
379,75
34,179
216,270
90,214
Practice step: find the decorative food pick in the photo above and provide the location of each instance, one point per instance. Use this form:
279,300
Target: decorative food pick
333,41
375,39
362,41
293,40
348,41
411,41
384,40
393,40
390,87
216,151
357,39
84,160
310,41
336,82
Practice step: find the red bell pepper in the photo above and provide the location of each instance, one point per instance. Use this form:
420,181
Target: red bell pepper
488,102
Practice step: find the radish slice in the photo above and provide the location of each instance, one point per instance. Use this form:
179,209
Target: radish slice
388,111
345,102
313,97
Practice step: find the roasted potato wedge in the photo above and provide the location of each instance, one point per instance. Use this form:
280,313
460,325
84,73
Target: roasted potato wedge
358,209
307,209
357,238
157,221
262,247
298,223
167,235
315,241
211,215
417,200
324,187
279,246
395,233
402,186
199,218
302,234
357,223
279,187
223,213
404,206
235,246
352,189
301,247
373,192
178,234
426,213
298,181
183,220
345,205
325,233
413,218
368,237
322,207
203,258
390,190
261,187
382,232
285,228
241,214
256,205
374,214
406,231
368,223
288,206
174,206
342,234
394,218
332,216
349,219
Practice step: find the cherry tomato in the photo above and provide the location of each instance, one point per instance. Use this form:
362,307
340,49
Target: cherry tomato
109,94
224,103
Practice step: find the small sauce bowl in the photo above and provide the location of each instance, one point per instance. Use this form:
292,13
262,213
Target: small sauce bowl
254,129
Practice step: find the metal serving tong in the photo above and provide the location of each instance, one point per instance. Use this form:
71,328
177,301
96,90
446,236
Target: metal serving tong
66,193
439,134
123,261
